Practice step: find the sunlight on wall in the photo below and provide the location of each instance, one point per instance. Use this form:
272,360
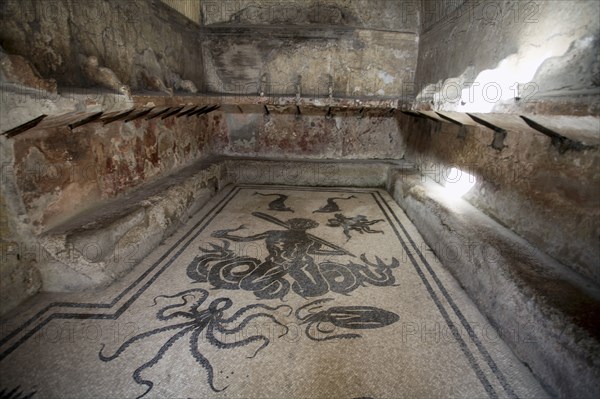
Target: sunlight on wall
512,78
458,183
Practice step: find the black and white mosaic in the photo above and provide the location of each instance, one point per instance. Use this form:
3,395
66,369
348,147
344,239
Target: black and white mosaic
293,296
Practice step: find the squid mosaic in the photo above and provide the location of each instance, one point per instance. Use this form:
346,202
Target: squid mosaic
322,324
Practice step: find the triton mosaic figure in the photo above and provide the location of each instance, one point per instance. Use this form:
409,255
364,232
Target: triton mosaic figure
292,252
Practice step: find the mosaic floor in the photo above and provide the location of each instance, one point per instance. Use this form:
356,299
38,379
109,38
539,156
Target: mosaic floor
270,292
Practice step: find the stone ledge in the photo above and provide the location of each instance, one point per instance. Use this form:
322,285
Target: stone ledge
515,285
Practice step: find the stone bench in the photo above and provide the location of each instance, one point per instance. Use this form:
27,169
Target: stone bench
94,248
312,172
546,312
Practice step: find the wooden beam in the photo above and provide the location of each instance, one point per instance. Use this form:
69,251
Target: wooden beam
86,120
139,115
175,111
189,111
24,127
121,115
159,113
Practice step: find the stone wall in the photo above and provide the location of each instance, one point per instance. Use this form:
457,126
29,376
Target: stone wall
60,172
312,136
348,47
526,58
475,55
127,36
551,199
